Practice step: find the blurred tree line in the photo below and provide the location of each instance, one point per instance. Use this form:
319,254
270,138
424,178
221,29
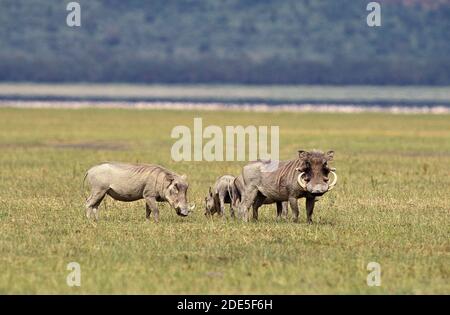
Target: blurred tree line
226,41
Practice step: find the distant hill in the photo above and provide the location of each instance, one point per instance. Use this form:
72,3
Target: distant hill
246,41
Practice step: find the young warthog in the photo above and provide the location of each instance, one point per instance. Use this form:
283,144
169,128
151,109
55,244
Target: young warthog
304,177
131,182
224,191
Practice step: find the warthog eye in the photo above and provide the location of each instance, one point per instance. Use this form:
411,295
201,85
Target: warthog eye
305,168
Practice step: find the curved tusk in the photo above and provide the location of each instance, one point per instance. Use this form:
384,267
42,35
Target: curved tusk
331,186
192,207
300,180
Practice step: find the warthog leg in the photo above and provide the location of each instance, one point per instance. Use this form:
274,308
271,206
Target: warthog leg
232,210
221,204
282,210
294,207
309,208
285,209
151,206
249,197
93,202
279,210
256,204
148,211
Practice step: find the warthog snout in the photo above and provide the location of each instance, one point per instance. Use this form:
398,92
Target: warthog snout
318,189
184,211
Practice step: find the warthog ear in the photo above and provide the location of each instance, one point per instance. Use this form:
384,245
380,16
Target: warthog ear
210,191
302,154
330,155
168,180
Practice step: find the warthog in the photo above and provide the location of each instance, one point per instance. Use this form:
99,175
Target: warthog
228,190
224,191
131,182
282,207
304,177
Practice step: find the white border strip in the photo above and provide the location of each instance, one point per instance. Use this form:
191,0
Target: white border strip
319,108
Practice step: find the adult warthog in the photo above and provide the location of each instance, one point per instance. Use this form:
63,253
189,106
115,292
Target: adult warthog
229,189
131,182
305,177
282,207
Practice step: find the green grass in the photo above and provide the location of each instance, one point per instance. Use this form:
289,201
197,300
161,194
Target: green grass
391,205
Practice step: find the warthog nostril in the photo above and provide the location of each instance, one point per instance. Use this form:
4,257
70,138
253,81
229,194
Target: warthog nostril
318,189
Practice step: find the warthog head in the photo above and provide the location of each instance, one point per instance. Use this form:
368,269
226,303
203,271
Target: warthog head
175,194
210,208
315,172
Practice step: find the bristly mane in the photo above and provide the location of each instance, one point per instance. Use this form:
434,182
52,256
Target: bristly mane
143,168
316,154
153,168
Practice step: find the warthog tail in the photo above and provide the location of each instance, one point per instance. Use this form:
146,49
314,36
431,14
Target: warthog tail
82,186
230,193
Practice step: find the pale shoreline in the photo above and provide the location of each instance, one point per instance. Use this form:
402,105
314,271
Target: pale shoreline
212,106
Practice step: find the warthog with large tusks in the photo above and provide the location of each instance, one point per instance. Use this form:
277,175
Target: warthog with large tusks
228,190
131,182
305,177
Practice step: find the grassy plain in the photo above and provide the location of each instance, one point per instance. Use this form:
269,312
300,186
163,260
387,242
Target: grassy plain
391,206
